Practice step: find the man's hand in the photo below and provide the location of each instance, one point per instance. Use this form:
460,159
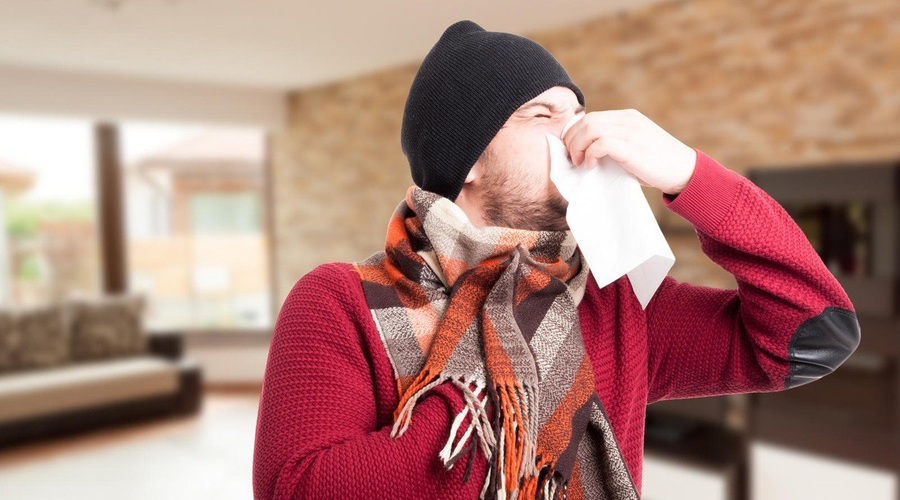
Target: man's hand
642,147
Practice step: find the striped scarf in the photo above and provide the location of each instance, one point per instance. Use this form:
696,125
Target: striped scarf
493,311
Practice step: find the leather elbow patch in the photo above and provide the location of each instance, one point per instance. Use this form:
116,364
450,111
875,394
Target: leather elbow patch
821,344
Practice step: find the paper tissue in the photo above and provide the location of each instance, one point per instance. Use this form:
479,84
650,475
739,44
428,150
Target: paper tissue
611,221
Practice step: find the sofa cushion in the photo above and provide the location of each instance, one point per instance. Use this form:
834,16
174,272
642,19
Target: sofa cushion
34,338
79,386
107,327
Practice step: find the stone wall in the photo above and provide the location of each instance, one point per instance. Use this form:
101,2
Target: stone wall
756,84
337,173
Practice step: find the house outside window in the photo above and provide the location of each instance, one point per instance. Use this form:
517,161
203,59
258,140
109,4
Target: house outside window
197,245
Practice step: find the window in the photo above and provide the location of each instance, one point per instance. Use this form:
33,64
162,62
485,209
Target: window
195,219
840,233
49,241
197,245
229,213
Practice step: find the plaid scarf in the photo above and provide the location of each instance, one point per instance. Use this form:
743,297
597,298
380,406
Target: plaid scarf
493,311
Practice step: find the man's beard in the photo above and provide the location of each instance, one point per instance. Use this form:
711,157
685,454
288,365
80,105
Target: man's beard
506,203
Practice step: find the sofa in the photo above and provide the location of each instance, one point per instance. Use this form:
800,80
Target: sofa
84,364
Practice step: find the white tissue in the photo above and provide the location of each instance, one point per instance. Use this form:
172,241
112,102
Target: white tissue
612,222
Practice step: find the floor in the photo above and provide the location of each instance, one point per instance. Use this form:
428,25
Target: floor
210,457
203,457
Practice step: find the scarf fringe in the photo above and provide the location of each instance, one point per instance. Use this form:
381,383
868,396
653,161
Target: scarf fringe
475,405
513,468
546,486
423,383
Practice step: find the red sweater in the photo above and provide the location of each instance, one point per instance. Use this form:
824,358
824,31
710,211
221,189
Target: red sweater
329,393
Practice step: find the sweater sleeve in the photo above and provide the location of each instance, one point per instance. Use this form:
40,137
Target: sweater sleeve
789,321
317,433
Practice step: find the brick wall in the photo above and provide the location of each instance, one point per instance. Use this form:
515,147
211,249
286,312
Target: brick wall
756,83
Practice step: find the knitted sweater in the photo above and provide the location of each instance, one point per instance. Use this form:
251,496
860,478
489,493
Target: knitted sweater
329,392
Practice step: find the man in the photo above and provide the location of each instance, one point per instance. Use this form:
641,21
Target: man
476,356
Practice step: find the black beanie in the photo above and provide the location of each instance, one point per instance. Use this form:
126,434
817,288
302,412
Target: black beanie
468,85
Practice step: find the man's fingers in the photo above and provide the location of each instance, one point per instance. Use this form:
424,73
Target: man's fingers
593,153
641,147
586,135
604,146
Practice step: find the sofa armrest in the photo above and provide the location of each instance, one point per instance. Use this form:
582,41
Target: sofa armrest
166,344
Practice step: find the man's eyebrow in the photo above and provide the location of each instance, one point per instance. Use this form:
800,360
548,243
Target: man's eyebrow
549,105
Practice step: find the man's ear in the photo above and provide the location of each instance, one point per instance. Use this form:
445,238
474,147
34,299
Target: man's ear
468,198
470,185
474,173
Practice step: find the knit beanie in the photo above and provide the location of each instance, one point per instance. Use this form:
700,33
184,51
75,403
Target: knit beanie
468,85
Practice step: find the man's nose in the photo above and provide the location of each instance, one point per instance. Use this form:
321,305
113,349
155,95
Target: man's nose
572,120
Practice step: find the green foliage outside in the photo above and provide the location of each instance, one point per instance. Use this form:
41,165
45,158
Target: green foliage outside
23,219
31,269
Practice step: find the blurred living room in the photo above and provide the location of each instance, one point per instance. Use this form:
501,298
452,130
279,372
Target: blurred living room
170,168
